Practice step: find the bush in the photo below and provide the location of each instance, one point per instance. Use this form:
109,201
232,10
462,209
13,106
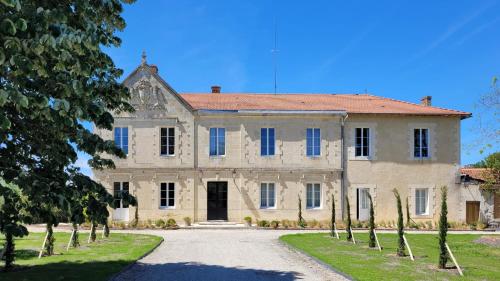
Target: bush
160,223
248,220
313,223
171,223
187,221
285,223
263,223
275,224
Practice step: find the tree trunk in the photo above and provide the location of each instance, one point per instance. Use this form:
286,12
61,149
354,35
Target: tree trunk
106,230
92,232
75,242
8,254
49,245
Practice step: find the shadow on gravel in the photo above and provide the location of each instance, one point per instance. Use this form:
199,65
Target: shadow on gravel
196,271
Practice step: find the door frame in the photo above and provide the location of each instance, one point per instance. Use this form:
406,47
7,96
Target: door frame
358,203
121,213
223,212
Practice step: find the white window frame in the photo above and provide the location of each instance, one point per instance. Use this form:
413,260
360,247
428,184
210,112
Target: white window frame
121,189
313,193
268,142
420,143
168,142
312,144
217,154
368,145
418,198
167,197
120,145
266,185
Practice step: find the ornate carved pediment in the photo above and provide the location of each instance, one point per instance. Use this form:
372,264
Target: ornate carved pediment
147,96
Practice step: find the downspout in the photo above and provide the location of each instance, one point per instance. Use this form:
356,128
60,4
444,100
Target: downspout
342,164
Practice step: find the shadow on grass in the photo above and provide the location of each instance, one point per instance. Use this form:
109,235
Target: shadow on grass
92,271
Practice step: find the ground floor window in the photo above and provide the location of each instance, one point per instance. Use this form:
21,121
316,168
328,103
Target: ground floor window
267,195
313,195
421,201
119,189
167,195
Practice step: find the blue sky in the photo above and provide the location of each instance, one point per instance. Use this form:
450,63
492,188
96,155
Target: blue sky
397,49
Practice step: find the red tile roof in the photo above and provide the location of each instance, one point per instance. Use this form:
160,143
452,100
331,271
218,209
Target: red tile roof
475,173
352,103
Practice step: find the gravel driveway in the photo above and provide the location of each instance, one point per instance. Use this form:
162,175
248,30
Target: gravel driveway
237,254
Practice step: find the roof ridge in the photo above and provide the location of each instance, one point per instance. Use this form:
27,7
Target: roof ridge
417,104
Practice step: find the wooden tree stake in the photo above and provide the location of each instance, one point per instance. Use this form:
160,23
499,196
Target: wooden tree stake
352,234
376,239
103,227
70,239
90,234
43,245
409,249
335,229
454,260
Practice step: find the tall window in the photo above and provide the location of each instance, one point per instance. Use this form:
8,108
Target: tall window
167,141
267,141
121,138
362,142
120,189
421,201
313,142
167,195
267,195
421,143
217,141
313,195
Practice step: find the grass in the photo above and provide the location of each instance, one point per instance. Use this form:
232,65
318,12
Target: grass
478,261
95,261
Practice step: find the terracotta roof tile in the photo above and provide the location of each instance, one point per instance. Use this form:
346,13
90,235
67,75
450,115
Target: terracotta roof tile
475,173
352,103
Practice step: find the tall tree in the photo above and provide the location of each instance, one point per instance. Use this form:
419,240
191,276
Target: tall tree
332,222
443,228
372,242
348,224
401,241
301,222
487,116
54,77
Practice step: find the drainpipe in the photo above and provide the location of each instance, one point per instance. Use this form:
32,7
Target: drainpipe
342,164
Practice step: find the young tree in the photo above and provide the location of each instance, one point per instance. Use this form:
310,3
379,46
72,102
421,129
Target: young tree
401,241
408,224
372,242
301,222
332,223
348,225
443,228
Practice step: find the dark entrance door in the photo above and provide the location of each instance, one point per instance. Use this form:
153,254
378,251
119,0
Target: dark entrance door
217,200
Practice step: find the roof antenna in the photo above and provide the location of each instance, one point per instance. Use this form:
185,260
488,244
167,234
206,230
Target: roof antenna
143,58
274,51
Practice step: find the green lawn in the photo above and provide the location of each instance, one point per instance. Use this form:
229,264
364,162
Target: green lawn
478,261
95,261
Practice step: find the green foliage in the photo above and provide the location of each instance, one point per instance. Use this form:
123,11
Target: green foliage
160,223
372,242
248,220
443,228
263,223
54,76
401,242
492,174
187,221
301,221
275,224
348,223
332,220
171,223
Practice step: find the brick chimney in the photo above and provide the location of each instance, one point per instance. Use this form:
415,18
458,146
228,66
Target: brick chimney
215,89
155,68
426,101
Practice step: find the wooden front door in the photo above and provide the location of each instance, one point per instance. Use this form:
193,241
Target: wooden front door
217,200
472,211
497,205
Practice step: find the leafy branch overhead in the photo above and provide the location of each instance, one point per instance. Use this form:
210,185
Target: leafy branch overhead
55,77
